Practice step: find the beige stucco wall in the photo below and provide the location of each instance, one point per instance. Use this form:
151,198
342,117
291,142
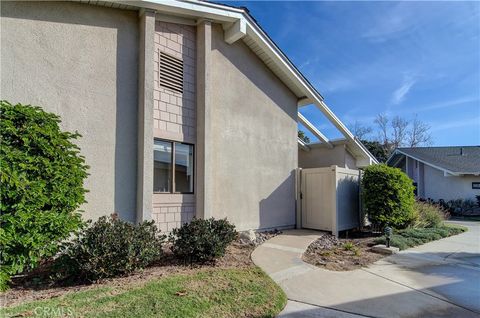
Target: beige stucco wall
80,62
448,188
252,157
320,156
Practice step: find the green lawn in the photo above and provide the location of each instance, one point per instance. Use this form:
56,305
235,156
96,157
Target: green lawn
407,238
211,293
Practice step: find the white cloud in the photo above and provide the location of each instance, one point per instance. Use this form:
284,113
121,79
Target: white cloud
336,84
400,93
395,21
445,104
462,123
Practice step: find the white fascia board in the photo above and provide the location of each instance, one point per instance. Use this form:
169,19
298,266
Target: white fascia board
303,145
194,9
314,130
334,120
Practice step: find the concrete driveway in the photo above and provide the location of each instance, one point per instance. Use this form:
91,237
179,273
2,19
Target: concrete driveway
438,279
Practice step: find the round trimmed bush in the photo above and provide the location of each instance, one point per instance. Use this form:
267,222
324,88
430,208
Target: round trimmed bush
202,240
42,175
388,197
108,248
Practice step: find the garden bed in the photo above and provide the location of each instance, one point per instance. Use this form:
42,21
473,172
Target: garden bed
231,287
342,254
355,252
407,238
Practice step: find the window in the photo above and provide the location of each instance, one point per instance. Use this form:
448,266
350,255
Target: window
162,166
173,167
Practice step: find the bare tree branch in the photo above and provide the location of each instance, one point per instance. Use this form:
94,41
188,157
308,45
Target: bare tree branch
360,131
419,135
382,122
399,132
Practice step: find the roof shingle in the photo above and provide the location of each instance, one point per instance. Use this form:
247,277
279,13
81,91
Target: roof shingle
457,159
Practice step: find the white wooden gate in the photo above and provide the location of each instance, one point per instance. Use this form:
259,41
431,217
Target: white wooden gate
329,199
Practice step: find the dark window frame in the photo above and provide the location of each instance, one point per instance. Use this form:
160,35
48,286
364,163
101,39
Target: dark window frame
172,176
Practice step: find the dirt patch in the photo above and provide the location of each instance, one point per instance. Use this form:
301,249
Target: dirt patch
342,254
37,285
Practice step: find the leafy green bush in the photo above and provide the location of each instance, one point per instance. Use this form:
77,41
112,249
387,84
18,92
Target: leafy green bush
110,247
388,196
202,240
411,237
42,175
428,215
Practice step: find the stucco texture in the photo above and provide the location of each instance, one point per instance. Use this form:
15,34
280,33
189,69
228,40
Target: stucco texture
319,157
251,166
80,62
437,186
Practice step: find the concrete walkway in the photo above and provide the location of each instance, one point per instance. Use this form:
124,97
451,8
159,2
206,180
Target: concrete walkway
438,279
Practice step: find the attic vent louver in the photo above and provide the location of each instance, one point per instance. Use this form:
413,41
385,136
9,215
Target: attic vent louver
171,72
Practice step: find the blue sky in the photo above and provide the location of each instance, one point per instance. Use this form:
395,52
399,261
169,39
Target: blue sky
398,58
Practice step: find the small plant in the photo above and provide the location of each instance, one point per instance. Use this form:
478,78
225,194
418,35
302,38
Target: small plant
110,247
428,215
388,196
348,246
42,175
202,240
357,252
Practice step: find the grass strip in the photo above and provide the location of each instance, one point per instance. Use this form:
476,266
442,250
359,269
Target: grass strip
246,292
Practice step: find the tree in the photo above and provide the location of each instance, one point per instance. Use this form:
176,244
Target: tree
42,175
376,149
399,132
382,122
360,131
419,134
303,137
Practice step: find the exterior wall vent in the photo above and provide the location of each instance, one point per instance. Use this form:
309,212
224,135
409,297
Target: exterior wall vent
171,73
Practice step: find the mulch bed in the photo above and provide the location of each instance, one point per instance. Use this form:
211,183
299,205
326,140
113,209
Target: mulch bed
37,285
342,254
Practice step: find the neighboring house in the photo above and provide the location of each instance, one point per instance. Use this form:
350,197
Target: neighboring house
186,108
446,173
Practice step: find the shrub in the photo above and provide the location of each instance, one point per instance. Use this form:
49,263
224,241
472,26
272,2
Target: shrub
411,237
428,215
202,240
42,175
460,206
388,196
110,247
